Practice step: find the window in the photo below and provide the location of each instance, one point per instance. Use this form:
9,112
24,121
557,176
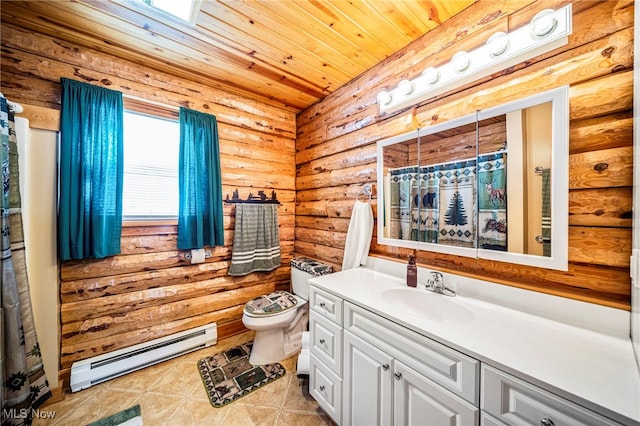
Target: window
151,150
183,9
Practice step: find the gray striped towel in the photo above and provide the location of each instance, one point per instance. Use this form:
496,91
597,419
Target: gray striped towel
546,212
256,239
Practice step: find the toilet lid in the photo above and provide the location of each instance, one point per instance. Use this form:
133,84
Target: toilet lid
271,304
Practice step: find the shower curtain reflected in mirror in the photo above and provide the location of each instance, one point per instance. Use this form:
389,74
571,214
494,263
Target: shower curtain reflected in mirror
403,187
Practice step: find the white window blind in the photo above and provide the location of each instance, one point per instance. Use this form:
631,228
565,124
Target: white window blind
151,149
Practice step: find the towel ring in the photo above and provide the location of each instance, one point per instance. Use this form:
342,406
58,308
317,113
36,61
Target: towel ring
364,191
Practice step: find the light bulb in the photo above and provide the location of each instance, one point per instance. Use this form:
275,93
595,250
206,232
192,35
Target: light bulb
431,75
544,23
384,98
461,61
498,44
406,87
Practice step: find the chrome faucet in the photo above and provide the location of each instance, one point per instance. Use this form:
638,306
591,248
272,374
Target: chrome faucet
436,284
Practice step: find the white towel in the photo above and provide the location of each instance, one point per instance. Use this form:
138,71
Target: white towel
356,247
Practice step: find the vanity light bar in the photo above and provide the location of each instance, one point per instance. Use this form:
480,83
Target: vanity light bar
547,30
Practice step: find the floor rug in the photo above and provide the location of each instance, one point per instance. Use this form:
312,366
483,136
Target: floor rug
129,417
228,375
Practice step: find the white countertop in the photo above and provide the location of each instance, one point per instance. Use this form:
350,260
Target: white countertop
594,369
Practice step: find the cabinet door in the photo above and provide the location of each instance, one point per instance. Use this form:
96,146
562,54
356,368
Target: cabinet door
367,384
420,401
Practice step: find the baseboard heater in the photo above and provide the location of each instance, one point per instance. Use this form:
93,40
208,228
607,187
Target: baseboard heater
108,366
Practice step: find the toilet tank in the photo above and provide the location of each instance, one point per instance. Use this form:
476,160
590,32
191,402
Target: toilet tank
300,283
302,270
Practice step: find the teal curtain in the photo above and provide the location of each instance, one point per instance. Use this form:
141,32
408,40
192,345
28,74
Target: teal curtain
91,171
200,220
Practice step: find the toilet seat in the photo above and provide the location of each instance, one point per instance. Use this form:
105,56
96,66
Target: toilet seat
273,304
279,319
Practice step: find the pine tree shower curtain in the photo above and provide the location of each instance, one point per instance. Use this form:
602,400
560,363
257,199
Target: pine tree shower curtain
461,203
457,203
24,384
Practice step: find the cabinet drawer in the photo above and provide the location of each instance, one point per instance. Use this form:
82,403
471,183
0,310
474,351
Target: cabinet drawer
449,368
326,304
326,388
326,341
516,402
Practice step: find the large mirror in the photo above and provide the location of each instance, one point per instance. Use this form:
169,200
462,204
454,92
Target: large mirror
492,184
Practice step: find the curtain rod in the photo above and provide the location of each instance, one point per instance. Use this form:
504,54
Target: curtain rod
16,107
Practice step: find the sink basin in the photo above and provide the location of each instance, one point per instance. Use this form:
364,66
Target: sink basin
426,304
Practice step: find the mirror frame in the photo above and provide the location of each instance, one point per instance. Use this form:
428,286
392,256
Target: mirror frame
559,188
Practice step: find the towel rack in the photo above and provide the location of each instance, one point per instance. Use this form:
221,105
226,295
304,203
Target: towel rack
261,198
366,190
539,169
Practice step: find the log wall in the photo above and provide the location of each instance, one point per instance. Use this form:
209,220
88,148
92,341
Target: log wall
336,143
319,160
151,290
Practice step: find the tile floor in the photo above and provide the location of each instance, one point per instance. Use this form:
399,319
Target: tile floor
172,393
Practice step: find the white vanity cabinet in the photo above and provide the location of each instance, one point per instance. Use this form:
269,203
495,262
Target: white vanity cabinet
378,359
367,370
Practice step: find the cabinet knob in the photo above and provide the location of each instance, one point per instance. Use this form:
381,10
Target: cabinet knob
385,367
321,388
398,375
546,422
322,341
322,304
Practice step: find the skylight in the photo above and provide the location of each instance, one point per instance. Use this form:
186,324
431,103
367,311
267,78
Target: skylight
183,9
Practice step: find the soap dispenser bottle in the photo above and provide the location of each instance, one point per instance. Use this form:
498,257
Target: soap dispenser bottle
412,272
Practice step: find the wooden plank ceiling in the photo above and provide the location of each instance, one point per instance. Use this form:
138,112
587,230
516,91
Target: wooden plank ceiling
288,53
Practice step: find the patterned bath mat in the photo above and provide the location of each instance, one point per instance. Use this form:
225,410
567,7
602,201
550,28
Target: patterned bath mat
228,375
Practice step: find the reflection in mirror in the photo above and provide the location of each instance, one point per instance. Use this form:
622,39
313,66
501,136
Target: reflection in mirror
536,186
493,196
400,171
524,135
492,185
447,180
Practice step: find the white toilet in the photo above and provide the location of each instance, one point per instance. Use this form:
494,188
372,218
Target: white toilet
280,318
